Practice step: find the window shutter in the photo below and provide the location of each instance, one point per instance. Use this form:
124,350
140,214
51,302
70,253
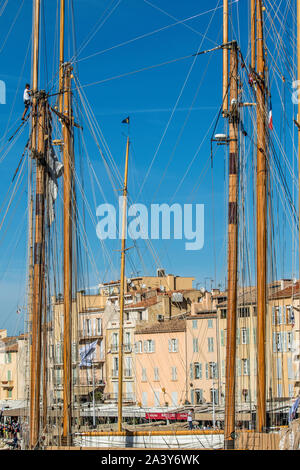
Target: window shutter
191,372
176,345
290,369
273,315
284,342
254,335
274,342
170,345
280,315
206,370
222,337
284,314
239,367
153,346
238,336
145,346
200,370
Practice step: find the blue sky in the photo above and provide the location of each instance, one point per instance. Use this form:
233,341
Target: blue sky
172,109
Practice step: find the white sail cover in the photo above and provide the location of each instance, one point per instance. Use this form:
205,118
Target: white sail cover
55,171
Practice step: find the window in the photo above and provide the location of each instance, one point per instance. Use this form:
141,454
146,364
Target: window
8,358
210,344
223,337
245,335
290,341
9,375
245,363
156,398
139,347
214,396
9,393
149,346
144,375
174,373
198,397
223,368
278,342
213,372
99,326
195,324
244,312
198,370
245,394
291,390
290,315
173,345
88,327
195,345
279,368
74,352
210,323
290,369
127,339
116,366
156,374
174,398
140,316
223,313
115,341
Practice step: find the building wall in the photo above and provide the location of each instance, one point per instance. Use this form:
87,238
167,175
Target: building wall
161,371
246,369
283,348
13,354
202,357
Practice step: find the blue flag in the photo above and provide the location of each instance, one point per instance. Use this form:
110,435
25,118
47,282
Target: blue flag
293,410
87,354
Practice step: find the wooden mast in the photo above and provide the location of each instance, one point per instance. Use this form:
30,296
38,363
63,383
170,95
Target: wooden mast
232,251
61,54
225,57
298,118
34,419
38,284
253,34
68,227
261,224
122,285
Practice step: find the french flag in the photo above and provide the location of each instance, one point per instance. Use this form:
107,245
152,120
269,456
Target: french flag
270,117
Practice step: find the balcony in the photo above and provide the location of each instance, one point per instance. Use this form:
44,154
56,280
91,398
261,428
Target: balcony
113,397
127,348
89,335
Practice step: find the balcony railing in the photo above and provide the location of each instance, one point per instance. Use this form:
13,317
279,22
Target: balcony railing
127,348
83,335
127,373
129,397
